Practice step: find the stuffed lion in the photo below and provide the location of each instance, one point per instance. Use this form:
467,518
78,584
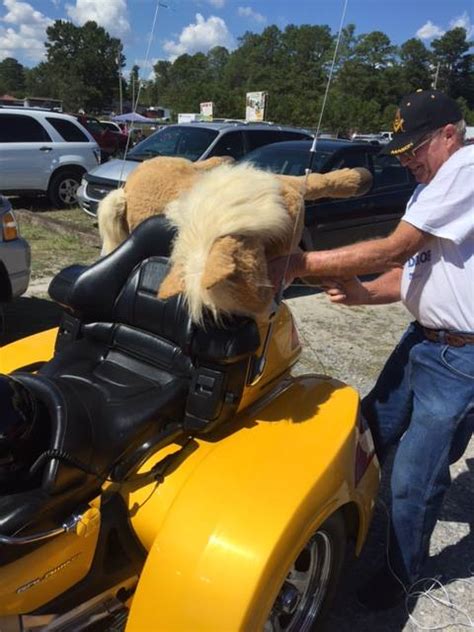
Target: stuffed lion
231,219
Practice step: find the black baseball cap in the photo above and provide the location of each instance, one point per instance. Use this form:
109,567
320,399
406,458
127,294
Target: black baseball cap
419,113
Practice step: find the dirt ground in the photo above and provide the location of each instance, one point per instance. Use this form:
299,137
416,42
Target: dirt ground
350,344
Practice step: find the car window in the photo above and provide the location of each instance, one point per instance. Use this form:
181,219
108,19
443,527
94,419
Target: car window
259,137
17,128
230,144
186,142
93,125
68,130
286,161
351,159
388,172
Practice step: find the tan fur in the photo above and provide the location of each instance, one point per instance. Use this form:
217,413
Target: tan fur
230,220
113,227
231,223
148,190
240,201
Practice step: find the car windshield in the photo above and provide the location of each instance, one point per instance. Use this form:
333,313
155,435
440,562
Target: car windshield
291,162
185,142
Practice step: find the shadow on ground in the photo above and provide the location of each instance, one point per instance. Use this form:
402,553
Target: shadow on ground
25,316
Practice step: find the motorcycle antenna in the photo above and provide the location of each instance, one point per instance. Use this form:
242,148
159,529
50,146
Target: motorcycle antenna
312,151
159,3
260,361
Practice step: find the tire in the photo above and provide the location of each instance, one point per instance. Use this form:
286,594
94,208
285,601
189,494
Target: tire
63,186
310,585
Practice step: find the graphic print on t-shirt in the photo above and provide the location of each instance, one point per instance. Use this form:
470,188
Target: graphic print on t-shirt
414,264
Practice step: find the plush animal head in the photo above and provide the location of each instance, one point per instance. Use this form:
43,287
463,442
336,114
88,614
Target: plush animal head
231,223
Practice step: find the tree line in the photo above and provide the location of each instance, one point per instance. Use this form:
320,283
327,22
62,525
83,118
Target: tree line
83,67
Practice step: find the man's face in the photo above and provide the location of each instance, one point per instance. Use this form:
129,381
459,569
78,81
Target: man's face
430,153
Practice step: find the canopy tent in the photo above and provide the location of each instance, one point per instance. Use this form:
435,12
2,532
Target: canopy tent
132,117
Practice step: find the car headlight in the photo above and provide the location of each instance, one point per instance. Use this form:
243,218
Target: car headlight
9,227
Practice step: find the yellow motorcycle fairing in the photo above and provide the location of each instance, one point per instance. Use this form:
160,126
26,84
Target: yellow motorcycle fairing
52,568
223,528
28,351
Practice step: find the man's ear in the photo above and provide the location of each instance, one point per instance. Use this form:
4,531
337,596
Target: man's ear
221,263
172,284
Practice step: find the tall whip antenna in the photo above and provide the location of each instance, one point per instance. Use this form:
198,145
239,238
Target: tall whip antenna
323,107
135,105
312,151
260,361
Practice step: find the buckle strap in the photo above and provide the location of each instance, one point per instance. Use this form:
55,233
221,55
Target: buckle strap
448,338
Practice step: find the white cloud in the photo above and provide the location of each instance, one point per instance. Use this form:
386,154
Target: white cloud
200,37
429,30
112,15
248,12
218,4
25,34
465,22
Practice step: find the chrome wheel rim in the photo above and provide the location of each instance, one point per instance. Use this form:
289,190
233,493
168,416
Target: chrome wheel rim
67,191
302,594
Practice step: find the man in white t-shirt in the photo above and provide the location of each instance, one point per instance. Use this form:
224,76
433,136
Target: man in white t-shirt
423,401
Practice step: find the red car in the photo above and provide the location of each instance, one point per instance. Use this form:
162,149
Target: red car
111,143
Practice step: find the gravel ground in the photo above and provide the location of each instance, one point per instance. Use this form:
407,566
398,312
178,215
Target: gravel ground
352,344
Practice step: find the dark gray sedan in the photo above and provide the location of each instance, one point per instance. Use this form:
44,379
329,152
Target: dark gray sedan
331,223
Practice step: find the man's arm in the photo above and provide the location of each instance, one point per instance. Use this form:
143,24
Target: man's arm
366,257
382,290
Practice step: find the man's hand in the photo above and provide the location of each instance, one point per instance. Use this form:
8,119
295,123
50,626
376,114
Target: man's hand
348,291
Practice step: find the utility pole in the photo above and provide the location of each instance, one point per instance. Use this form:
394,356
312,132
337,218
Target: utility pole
435,80
120,82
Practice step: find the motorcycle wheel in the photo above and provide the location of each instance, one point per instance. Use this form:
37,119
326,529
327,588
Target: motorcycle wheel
310,585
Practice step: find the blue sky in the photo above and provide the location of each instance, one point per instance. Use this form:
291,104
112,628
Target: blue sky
188,26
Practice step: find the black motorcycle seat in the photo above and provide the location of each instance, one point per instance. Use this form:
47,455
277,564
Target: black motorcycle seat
128,372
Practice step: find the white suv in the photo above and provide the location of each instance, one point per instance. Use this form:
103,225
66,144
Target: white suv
44,152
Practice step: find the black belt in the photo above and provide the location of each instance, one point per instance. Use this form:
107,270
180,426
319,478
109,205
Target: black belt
450,338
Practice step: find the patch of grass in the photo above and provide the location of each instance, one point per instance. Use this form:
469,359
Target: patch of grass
51,251
75,216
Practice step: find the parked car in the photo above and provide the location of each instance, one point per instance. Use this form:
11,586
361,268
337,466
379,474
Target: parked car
15,255
195,141
111,142
44,152
375,139
333,223
114,127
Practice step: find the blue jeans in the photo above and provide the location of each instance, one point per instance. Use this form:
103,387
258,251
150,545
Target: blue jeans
423,402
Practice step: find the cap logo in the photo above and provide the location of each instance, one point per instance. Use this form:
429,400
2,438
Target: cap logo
398,123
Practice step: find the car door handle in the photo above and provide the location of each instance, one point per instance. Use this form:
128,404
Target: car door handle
46,149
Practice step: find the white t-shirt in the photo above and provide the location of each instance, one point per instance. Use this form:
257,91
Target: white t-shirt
438,282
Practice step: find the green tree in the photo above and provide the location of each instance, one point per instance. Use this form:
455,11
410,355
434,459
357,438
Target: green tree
40,82
83,64
12,76
451,53
417,64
